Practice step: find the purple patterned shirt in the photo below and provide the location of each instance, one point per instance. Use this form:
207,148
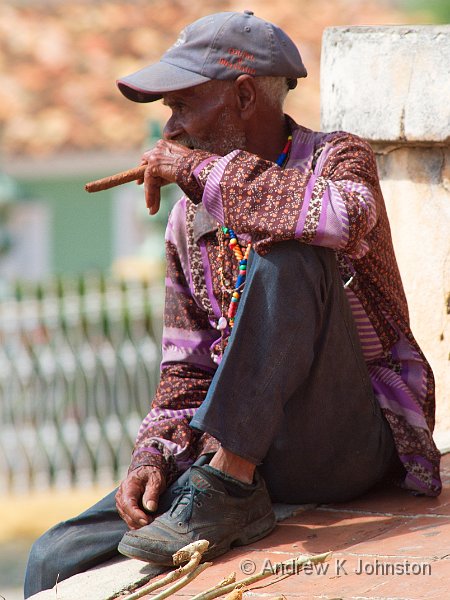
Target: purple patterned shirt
328,195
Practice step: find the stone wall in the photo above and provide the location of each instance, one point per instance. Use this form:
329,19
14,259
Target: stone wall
391,85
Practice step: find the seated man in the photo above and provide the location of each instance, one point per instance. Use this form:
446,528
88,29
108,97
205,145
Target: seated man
288,361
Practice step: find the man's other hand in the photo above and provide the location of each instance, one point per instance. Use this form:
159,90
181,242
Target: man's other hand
140,489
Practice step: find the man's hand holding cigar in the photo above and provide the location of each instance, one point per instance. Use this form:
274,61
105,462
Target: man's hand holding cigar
161,163
158,167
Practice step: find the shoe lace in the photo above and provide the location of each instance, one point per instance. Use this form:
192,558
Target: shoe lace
188,495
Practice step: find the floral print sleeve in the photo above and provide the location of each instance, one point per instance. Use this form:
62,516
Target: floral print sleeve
331,204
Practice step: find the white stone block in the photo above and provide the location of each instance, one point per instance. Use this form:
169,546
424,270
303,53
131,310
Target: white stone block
389,83
116,577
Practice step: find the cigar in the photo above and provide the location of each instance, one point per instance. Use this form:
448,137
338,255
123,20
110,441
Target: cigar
117,179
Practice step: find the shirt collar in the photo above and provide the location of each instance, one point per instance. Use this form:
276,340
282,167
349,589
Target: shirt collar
203,222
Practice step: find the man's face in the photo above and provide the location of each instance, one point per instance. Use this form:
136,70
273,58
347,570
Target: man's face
204,117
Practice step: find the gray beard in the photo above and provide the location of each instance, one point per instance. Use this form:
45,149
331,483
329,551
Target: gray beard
220,147
222,141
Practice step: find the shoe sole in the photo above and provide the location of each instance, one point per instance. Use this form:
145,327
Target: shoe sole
249,535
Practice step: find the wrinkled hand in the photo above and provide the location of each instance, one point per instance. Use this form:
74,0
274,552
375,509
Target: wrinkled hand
140,489
162,162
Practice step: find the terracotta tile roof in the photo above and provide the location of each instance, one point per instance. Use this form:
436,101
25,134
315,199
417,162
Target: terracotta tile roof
59,61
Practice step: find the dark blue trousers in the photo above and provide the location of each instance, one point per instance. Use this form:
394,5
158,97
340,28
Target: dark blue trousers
292,395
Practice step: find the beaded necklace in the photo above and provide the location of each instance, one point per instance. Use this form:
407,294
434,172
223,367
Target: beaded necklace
241,255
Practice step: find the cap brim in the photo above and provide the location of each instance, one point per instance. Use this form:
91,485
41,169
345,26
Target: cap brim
149,84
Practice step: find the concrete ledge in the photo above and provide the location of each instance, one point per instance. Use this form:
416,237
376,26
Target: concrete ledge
118,576
387,83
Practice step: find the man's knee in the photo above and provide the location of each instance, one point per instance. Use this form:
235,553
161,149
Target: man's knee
293,260
294,277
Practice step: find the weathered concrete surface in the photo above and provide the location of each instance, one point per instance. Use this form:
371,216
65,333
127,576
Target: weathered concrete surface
102,583
416,188
391,85
387,83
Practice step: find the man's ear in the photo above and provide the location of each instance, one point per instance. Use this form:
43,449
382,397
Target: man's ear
245,95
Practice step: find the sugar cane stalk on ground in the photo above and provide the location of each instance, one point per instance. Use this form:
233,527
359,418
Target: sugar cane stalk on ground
192,553
298,562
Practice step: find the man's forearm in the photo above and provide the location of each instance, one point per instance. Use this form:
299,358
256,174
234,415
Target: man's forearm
333,205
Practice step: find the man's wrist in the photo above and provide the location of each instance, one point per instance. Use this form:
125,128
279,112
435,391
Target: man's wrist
147,459
189,173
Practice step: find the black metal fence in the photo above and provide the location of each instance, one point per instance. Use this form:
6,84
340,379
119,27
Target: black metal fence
79,362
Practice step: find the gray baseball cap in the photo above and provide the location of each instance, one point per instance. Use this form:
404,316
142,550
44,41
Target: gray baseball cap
220,46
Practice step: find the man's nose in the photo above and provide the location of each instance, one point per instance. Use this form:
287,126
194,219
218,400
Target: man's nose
171,130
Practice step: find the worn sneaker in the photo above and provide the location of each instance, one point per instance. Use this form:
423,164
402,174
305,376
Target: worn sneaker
203,510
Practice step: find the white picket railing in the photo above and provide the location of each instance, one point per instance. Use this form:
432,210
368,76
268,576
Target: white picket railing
79,362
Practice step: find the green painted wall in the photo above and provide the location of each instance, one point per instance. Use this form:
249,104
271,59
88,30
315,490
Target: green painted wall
81,225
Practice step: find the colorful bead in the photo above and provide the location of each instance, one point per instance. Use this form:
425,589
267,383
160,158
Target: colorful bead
221,324
232,309
280,160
